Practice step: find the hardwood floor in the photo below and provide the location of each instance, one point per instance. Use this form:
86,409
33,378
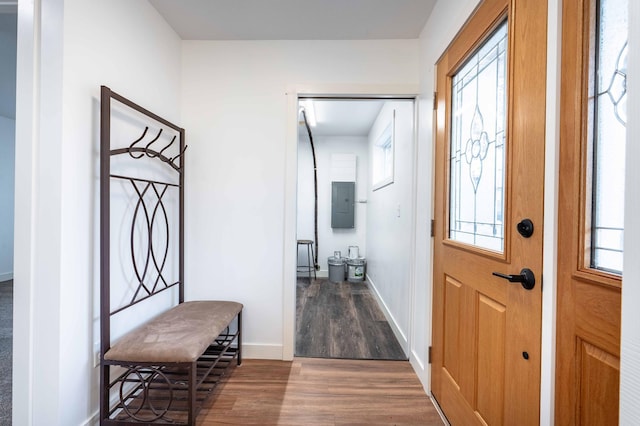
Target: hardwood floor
310,391
342,320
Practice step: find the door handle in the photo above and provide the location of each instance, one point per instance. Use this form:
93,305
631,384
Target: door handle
526,278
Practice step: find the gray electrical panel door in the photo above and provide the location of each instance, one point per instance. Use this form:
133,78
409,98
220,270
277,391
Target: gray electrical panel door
342,204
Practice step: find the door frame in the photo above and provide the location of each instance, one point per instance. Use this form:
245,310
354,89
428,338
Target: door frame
630,353
293,93
37,199
550,232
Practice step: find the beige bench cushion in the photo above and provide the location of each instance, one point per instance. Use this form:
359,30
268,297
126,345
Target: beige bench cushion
180,334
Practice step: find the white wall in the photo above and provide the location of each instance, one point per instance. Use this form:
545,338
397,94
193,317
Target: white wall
7,170
129,47
390,220
445,21
330,239
234,106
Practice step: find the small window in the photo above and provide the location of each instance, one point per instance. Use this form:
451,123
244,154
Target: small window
477,162
608,119
383,157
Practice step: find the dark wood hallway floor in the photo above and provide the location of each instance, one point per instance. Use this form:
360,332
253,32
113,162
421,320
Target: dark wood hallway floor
342,320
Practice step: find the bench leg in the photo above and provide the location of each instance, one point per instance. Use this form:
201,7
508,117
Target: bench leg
192,392
104,392
240,338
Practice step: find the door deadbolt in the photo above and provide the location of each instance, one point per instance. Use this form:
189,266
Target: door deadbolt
525,228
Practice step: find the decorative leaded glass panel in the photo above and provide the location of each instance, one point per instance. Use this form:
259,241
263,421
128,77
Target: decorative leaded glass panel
609,133
477,169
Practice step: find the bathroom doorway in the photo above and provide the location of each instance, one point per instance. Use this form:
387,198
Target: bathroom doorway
355,204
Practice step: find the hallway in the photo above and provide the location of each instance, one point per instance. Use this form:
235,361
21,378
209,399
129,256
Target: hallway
342,320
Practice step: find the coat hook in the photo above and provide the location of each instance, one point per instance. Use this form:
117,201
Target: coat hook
165,148
146,148
144,133
173,160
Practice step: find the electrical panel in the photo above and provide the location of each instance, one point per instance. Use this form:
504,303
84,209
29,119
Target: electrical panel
343,204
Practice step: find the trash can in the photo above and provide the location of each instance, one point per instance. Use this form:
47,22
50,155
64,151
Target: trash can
336,269
356,269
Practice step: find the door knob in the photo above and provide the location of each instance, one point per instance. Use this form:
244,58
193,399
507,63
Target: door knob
526,278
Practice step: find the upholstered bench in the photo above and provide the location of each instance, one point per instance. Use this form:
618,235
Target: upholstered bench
172,363
181,334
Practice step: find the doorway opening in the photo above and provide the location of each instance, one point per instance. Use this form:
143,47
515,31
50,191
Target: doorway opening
355,208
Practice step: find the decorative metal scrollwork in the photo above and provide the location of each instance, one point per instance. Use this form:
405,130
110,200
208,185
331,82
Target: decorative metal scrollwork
148,409
151,254
223,338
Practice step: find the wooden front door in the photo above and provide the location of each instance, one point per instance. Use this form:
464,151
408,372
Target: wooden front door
590,220
490,128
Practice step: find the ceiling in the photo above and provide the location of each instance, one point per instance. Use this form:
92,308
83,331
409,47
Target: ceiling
345,117
275,20
304,20
295,19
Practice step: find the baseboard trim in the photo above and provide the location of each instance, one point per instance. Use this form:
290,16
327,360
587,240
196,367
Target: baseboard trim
402,339
261,351
322,273
6,276
93,420
416,359
422,370
445,421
